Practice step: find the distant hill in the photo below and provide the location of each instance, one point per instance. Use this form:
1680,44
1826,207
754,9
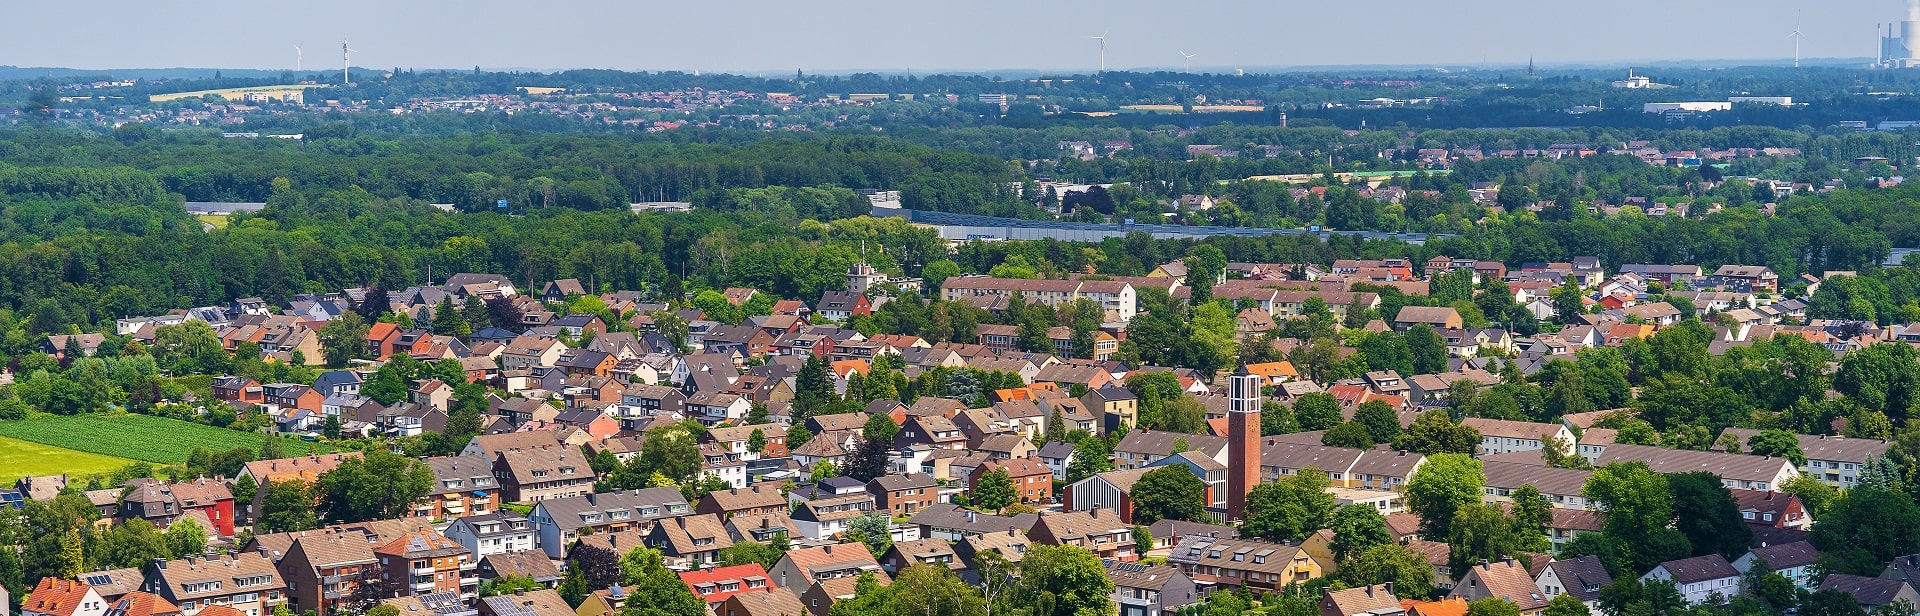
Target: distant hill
33,72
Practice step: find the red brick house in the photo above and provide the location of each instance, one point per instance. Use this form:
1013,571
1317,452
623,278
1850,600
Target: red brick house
1032,480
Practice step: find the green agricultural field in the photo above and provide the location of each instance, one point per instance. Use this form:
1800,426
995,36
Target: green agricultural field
20,458
141,437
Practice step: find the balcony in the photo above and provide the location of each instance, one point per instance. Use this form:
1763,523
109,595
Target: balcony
426,571
426,586
330,579
470,581
331,594
468,565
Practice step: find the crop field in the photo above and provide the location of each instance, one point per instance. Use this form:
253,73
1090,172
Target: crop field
234,94
20,458
140,437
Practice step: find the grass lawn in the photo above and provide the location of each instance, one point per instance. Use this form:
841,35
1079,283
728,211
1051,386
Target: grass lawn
217,222
20,458
142,437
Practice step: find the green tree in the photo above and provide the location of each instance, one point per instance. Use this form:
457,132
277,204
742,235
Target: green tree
1565,604
379,485
287,507
750,552
186,537
1091,456
1778,444
1382,422
1169,492
72,559
573,588
504,585
1442,486
1289,509
1316,411
1351,435
934,590
1063,581
994,490
1492,606
1428,348
132,544
1884,376
1705,512
1358,528
646,570
1206,264
1639,514
1434,432
1866,527
1408,570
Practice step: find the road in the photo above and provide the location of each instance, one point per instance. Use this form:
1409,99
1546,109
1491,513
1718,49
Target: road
969,226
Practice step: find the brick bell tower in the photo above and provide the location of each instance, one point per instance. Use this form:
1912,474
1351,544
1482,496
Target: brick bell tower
1243,440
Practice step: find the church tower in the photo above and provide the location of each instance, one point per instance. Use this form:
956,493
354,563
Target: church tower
1243,440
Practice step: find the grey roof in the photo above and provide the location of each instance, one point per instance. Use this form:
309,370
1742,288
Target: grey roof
1787,555
969,522
1582,576
566,512
1865,590
1057,450
1160,442
902,482
1699,569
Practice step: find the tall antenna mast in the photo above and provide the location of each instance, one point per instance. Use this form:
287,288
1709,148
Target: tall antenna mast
346,63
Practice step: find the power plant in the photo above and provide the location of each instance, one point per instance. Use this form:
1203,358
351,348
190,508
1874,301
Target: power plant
1901,48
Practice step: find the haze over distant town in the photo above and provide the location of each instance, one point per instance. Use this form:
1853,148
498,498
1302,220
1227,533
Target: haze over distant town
750,37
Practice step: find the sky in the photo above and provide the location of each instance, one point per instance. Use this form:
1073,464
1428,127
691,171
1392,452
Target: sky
753,37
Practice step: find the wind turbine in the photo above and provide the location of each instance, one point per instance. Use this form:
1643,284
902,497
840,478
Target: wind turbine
346,63
1103,50
299,57
1795,35
1186,61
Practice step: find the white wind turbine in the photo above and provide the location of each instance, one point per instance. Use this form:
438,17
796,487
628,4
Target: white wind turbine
1103,50
1186,62
346,62
1795,35
298,57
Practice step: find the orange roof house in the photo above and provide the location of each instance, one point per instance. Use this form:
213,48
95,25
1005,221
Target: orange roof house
58,597
1274,372
846,367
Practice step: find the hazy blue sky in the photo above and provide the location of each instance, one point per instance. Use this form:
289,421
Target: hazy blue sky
823,35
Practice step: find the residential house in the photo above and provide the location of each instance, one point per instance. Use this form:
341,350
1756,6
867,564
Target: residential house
903,494
329,572
1369,600
1872,593
528,476
540,602
1098,530
936,552
1504,579
1793,560
1436,317
245,581
757,499
1699,579
715,585
693,540
57,597
1243,563
1502,436
1032,481
558,522
804,567
1150,590
499,532
1580,576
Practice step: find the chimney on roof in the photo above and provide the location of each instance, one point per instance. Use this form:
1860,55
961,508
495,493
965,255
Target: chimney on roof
827,549
160,563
